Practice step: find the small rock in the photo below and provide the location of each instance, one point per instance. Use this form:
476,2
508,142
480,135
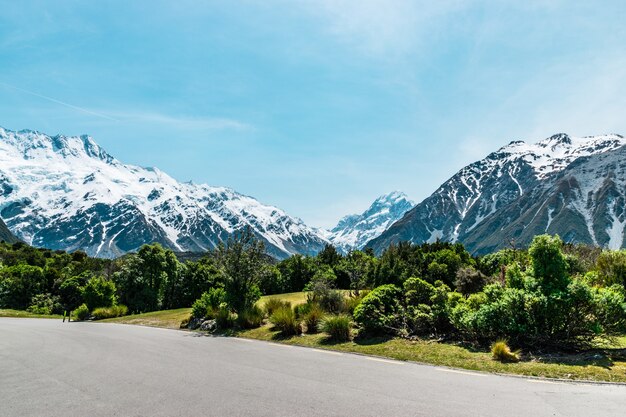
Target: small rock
194,324
208,325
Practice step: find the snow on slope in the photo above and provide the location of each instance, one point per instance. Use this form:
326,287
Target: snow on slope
69,193
354,231
481,189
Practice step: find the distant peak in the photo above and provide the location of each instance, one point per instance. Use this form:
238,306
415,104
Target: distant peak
557,139
27,141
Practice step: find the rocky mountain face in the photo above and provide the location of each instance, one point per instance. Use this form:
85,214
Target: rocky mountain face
68,193
354,231
5,234
563,185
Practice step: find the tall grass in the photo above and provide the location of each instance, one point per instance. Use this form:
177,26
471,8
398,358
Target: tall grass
312,318
284,319
251,318
109,312
501,351
274,304
338,328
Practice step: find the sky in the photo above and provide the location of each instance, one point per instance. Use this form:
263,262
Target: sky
316,107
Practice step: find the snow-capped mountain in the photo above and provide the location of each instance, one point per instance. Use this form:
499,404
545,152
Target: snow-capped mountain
68,193
470,206
354,231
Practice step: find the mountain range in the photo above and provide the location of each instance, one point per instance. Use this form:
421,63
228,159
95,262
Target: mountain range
66,192
565,185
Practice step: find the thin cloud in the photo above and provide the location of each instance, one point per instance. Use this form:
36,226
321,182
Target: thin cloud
62,103
181,122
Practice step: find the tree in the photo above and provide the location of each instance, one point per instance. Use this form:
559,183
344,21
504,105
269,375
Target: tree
18,285
548,262
611,266
241,263
143,278
99,292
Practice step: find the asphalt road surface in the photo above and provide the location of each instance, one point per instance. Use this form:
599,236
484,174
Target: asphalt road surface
48,368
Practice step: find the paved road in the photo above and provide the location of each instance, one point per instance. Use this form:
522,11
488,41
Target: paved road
48,368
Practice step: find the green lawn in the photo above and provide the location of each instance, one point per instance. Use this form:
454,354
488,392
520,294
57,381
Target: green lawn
168,319
26,314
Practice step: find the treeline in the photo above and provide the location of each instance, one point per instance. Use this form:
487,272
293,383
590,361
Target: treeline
47,281
549,294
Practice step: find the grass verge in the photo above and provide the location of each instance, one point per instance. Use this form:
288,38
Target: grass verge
26,314
601,365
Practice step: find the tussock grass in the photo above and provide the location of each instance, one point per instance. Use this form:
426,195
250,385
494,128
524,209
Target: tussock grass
501,351
338,328
284,319
109,312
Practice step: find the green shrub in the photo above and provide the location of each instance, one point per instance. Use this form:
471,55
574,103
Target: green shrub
99,292
379,311
332,301
469,281
350,303
81,313
109,312
207,302
251,318
224,317
313,318
302,310
274,304
284,319
501,351
45,304
338,327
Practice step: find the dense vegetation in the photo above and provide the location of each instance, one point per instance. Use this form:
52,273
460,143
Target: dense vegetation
549,296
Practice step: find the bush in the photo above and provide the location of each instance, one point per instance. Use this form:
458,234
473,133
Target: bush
45,304
208,302
332,301
350,303
338,327
99,292
313,318
109,312
224,318
81,313
251,318
500,351
274,304
379,310
284,319
302,310
469,281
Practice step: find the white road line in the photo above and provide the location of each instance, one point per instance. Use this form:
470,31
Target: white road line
330,352
384,360
460,372
543,381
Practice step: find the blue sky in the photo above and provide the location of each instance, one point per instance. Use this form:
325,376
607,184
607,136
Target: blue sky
320,106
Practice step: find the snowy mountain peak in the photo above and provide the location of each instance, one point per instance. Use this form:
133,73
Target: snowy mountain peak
68,193
33,144
461,206
354,231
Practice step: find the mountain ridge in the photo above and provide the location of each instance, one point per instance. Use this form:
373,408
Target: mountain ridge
67,192
456,210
